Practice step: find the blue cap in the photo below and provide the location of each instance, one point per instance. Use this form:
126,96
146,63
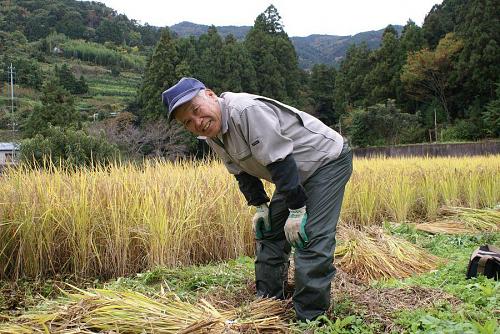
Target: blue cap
180,93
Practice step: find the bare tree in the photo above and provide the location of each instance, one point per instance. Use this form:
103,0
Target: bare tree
154,139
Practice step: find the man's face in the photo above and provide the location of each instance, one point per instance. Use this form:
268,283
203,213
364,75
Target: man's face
202,115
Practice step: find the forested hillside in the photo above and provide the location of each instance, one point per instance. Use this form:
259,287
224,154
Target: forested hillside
84,71
311,50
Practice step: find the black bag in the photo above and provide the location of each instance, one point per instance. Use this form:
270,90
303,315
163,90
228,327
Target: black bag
485,260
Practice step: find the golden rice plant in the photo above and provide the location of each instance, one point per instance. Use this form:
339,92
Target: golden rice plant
428,193
125,218
400,195
364,205
490,186
131,312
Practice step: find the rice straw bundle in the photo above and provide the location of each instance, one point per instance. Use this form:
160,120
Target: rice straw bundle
131,312
444,226
370,254
481,220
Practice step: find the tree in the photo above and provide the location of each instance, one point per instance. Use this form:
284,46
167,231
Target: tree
115,29
69,81
322,85
412,38
383,124
491,116
57,109
71,24
477,69
426,73
82,86
382,81
442,19
209,62
151,139
160,74
273,57
349,90
237,69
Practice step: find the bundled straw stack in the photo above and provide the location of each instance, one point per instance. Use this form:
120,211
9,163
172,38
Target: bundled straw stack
111,311
459,220
369,254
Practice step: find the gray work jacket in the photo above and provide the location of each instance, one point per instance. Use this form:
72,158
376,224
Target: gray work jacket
257,131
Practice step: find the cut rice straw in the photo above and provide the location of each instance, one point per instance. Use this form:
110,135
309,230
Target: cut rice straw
131,312
480,220
443,227
371,255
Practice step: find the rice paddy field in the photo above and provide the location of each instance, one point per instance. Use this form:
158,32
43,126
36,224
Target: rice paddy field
167,248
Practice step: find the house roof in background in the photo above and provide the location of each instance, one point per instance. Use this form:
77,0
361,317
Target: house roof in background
9,146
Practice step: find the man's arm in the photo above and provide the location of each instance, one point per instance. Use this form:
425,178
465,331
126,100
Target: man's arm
285,176
252,188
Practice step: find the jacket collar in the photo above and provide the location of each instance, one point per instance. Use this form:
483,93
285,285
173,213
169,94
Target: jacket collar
225,116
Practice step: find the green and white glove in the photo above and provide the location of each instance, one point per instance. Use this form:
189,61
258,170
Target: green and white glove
295,228
261,221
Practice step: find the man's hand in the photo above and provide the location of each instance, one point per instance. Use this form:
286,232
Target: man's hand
261,221
295,228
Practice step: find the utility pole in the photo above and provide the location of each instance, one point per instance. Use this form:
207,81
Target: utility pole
435,125
11,72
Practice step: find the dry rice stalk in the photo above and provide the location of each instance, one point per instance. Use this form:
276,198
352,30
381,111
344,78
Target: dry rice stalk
370,254
481,220
443,226
131,312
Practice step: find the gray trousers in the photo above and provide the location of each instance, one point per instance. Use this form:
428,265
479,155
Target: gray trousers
314,269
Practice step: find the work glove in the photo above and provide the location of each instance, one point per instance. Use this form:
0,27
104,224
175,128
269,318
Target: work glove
261,221
295,228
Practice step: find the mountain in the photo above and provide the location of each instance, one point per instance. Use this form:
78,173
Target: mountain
313,49
331,49
185,29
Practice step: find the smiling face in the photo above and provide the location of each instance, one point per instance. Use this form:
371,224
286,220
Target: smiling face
202,115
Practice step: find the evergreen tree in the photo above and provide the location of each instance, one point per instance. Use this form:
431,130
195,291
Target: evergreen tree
273,57
478,70
58,109
412,38
237,68
382,82
442,19
83,87
349,90
69,81
322,85
159,75
208,69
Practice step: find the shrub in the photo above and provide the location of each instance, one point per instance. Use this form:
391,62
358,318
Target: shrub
463,129
67,147
383,124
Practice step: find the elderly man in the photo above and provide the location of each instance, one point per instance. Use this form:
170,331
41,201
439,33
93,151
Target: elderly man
309,163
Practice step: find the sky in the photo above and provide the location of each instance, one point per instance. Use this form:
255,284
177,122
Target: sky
300,17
